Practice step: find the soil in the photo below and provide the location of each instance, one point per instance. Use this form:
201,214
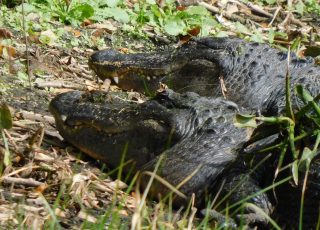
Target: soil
42,164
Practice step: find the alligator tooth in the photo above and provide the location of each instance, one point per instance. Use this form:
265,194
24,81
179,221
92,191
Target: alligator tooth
116,80
63,118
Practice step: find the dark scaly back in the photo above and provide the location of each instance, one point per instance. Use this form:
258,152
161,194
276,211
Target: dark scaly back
254,74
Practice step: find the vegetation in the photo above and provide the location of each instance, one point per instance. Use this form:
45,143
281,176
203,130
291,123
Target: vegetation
76,25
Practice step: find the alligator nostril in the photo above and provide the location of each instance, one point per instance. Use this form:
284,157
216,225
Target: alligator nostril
211,131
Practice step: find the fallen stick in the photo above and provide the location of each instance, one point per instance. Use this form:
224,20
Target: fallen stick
37,117
22,181
59,84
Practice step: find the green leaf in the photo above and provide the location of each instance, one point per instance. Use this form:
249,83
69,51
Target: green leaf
207,25
197,10
241,28
271,36
121,15
299,6
271,2
174,27
151,2
5,117
6,159
303,94
296,44
28,8
48,37
221,34
306,97
295,171
245,121
82,12
112,3
306,158
118,14
257,37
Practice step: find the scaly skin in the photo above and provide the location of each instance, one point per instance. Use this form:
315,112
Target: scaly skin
193,124
253,74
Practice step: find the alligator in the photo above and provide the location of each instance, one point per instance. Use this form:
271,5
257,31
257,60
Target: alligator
249,73
191,134
171,125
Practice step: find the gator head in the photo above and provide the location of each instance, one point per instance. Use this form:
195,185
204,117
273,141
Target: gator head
196,135
101,125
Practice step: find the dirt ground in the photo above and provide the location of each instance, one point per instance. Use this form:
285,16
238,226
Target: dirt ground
44,169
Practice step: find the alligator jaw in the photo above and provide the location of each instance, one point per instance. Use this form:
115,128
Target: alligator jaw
102,130
111,63
143,72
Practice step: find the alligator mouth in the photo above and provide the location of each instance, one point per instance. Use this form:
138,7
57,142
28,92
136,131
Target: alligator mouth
103,130
143,72
115,65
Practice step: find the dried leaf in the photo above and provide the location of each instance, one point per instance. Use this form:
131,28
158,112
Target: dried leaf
7,52
5,117
76,33
41,188
5,33
83,215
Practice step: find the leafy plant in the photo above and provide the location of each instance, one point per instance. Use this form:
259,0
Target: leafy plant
313,6
303,125
172,21
295,130
72,12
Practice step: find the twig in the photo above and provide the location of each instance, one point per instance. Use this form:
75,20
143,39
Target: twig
155,36
274,16
37,137
18,171
26,42
58,84
291,19
22,181
215,10
83,73
37,117
209,7
11,140
53,134
258,10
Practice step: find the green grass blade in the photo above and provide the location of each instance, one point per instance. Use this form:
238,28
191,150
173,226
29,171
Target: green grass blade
289,109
